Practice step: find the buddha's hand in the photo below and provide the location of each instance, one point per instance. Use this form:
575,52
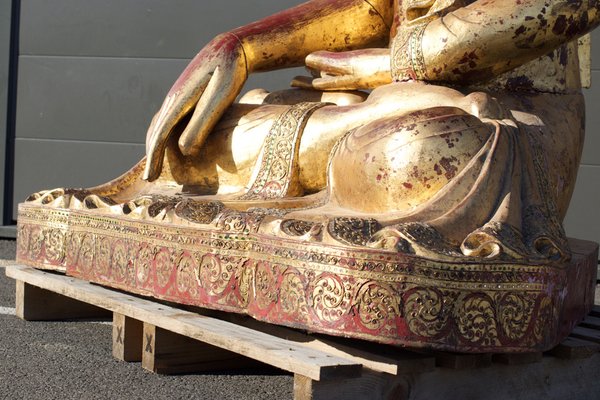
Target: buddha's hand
205,89
349,70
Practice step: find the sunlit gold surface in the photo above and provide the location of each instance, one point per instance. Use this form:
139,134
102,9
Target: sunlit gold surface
457,143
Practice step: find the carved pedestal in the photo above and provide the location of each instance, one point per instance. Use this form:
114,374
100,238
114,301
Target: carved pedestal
373,294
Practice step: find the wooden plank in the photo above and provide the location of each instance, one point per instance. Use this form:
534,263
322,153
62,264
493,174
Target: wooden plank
462,361
266,348
165,352
371,385
518,358
376,357
35,304
573,348
583,247
584,52
127,338
591,322
592,335
379,358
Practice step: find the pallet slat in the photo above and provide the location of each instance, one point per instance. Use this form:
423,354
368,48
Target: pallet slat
165,352
518,358
36,304
462,361
379,358
573,348
595,311
591,335
591,322
271,350
127,338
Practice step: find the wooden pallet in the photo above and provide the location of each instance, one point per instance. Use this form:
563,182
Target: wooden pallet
170,339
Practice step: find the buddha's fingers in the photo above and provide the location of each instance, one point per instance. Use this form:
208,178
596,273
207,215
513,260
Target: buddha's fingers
218,95
174,108
302,82
342,82
329,63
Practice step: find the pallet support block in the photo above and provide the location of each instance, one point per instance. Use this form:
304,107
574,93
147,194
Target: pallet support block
518,358
370,385
463,360
165,352
36,304
573,348
127,338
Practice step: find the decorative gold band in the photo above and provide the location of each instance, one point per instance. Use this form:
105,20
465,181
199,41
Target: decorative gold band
276,172
408,62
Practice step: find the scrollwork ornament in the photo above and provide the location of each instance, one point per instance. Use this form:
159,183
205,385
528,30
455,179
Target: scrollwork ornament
232,221
514,315
23,236
293,295
85,259
37,242
544,320
200,212
266,292
163,267
295,227
103,258
425,311
378,306
330,298
120,261
143,262
353,231
245,281
212,274
476,320
73,241
161,204
186,282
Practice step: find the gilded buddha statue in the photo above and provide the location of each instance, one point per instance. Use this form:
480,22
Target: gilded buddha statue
411,191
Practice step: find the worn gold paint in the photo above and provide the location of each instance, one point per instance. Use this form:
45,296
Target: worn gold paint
411,190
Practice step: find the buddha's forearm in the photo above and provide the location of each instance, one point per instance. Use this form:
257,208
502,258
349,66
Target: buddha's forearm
286,38
490,37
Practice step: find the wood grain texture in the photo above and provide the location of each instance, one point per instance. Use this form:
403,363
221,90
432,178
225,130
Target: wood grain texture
573,348
266,348
462,361
376,357
165,352
35,304
127,338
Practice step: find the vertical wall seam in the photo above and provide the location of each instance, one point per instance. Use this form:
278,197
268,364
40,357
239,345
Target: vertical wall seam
11,115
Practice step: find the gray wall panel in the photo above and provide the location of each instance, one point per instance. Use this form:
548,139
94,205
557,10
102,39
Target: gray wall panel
133,28
5,24
48,164
596,50
583,219
591,149
109,99
114,99
5,10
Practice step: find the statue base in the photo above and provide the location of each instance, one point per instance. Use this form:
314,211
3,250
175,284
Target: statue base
373,294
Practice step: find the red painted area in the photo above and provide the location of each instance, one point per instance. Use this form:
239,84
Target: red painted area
328,289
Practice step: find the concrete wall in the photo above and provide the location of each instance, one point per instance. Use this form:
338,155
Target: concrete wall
92,73
583,218
5,32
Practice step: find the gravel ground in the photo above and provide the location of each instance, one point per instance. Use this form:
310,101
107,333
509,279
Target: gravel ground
73,360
